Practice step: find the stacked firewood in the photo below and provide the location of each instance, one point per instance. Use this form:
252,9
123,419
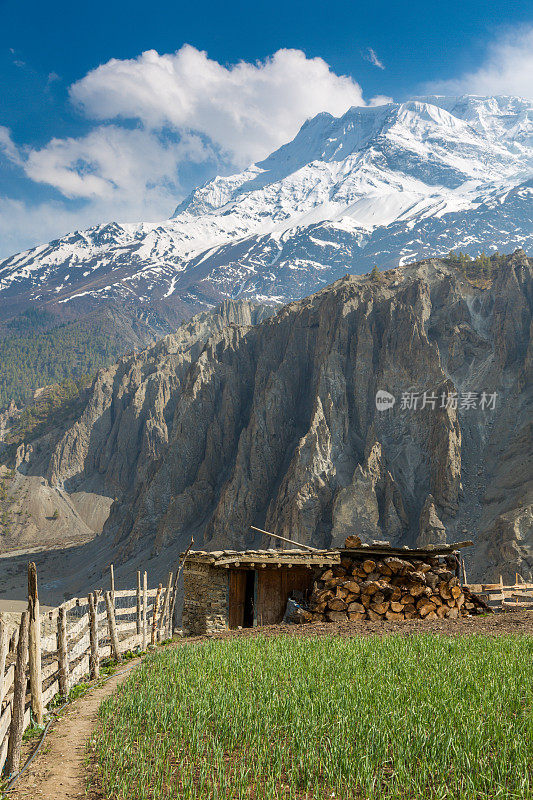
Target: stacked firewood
390,589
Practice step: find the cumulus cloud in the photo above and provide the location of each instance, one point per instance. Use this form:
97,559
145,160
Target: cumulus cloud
247,110
151,116
112,162
506,70
371,55
118,174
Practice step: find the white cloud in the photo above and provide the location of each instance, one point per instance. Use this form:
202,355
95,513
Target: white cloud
8,146
247,110
507,69
185,108
371,55
112,163
380,100
119,174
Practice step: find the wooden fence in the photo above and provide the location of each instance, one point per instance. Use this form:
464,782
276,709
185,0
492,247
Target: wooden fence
516,597
48,654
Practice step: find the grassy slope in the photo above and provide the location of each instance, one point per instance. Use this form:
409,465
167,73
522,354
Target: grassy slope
398,717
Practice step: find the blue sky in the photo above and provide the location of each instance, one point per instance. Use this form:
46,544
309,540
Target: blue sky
117,110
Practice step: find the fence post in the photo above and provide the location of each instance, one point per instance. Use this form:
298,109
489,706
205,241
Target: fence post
138,618
112,582
62,652
145,611
180,567
94,657
19,697
154,611
164,610
4,643
36,681
112,625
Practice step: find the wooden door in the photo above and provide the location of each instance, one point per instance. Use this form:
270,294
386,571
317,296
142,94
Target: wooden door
273,589
271,602
237,596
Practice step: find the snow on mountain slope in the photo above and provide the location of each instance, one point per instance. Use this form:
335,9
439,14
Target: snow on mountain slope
386,184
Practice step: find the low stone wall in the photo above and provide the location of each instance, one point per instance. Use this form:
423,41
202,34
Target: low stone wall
205,604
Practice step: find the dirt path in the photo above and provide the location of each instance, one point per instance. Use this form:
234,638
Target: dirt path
59,771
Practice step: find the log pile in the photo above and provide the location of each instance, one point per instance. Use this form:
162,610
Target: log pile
391,589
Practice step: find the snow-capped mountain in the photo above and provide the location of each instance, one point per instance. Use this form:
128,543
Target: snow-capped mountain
386,185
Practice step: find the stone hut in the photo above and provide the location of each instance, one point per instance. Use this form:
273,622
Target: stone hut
229,589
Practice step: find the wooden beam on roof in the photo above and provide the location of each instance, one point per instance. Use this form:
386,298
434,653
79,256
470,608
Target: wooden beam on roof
284,538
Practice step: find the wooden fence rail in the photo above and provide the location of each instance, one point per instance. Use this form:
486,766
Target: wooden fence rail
518,596
50,653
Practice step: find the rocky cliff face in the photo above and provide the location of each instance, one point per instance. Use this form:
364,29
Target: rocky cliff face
231,423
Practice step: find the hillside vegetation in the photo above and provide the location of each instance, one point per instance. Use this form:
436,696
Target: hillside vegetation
390,718
36,351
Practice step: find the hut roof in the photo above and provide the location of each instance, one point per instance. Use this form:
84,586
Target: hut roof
275,557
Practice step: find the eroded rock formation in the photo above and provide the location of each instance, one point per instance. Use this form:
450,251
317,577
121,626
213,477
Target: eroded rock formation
230,423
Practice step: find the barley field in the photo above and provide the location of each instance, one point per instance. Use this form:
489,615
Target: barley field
392,718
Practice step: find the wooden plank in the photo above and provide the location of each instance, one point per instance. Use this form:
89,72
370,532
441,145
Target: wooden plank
125,593
298,579
132,641
9,678
145,612
138,604
34,646
94,658
80,626
50,669
113,636
112,581
3,753
164,611
154,615
273,590
4,645
517,604
18,716
51,692
49,644
62,652
129,611
80,670
5,719
237,590
126,626
81,646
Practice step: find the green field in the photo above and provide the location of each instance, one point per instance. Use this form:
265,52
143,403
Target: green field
395,717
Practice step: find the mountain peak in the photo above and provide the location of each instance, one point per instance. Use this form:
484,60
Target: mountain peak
379,184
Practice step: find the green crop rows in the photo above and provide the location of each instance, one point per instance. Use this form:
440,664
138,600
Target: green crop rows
395,717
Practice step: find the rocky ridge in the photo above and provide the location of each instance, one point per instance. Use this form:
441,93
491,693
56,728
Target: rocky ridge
231,423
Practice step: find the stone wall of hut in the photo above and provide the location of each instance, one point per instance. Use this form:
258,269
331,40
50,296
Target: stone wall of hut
205,599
